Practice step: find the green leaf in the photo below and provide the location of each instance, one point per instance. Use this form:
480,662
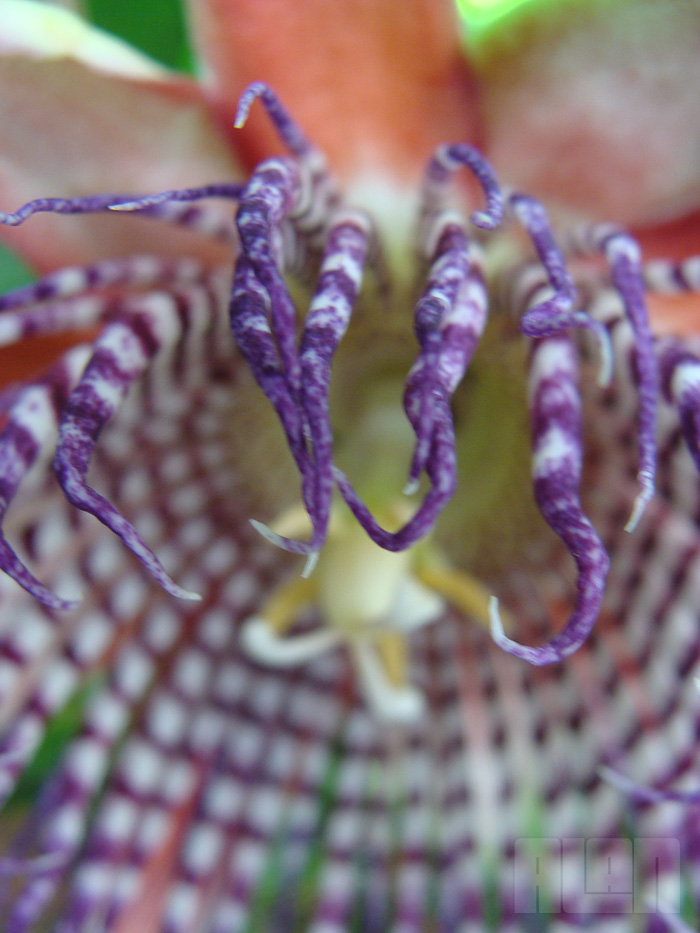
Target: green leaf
156,27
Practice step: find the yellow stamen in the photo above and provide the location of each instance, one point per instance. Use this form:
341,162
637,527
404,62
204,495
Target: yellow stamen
286,602
460,590
358,581
393,652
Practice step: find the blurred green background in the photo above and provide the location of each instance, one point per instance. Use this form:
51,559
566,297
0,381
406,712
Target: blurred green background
156,26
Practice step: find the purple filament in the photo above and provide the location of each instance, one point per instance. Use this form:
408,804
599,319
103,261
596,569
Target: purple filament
442,472
555,314
120,355
289,207
622,252
21,442
51,303
268,199
449,320
534,219
623,256
445,162
639,793
327,321
449,340
289,132
557,459
253,335
229,190
106,202
449,272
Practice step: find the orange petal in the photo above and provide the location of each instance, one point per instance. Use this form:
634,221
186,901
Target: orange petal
71,130
377,85
679,239
677,315
595,103
676,239
30,358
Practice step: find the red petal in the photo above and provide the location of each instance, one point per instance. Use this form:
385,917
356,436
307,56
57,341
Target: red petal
596,105
677,314
376,85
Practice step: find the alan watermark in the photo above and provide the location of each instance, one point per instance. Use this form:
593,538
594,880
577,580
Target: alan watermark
578,875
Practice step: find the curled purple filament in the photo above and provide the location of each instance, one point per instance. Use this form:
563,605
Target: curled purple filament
291,207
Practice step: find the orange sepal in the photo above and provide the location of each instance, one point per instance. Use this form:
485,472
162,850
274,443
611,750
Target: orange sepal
376,85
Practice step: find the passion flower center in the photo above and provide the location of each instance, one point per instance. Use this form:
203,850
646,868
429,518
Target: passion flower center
292,218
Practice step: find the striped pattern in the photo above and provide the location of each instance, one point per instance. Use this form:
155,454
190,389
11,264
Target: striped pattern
340,278
556,466
148,206
121,354
240,799
298,196
672,278
28,437
624,259
446,161
449,319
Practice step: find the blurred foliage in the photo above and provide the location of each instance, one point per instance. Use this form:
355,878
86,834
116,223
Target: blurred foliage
157,27
13,272
61,729
477,13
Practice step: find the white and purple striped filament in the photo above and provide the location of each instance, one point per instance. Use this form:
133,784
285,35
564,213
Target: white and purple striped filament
290,209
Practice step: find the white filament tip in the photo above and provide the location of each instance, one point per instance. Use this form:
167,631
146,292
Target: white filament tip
605,371
267,532
126,206
310,564
497,632
640,503
411,487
